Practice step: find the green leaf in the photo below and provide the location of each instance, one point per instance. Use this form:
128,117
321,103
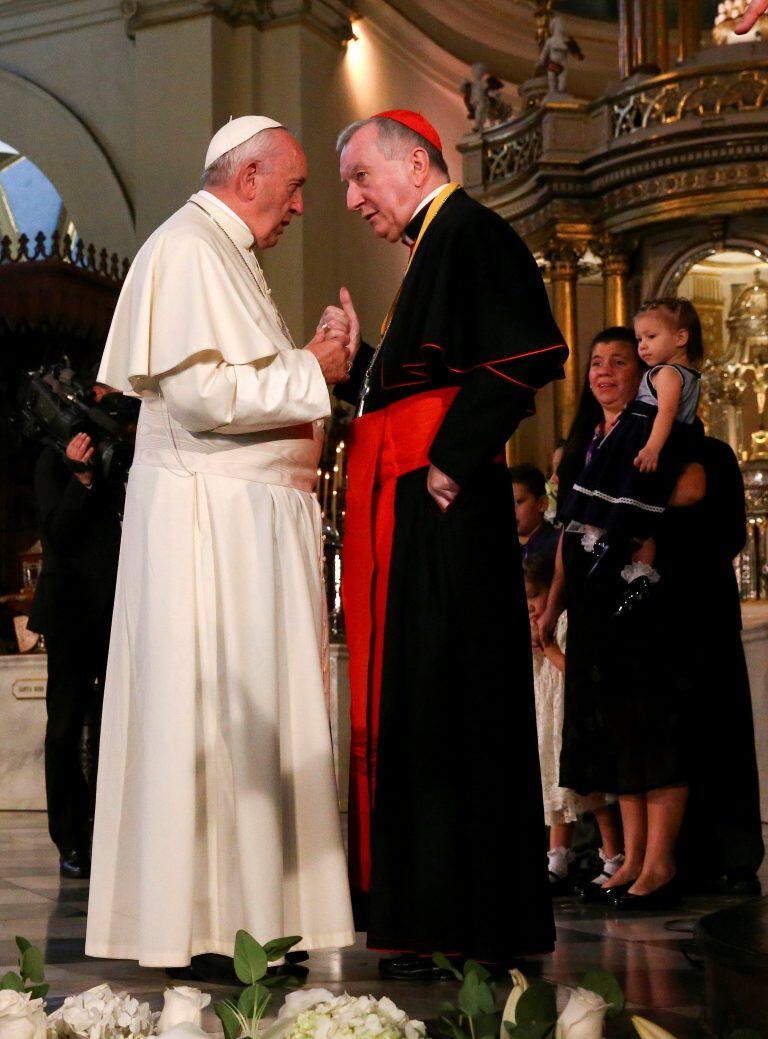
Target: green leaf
475,997
278,947
607,987
246,1004
532,1030
440,960
250,959
22,944
226,1014
537,1005
453,1029
32,966
12,980
39,991
473,967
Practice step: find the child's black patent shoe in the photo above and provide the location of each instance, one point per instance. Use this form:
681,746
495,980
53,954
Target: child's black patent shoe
637,593
600,551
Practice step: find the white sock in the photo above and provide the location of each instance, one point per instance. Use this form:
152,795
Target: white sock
559,861
609,866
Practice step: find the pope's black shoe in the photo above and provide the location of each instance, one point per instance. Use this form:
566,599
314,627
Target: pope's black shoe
665,897
75,865
408,966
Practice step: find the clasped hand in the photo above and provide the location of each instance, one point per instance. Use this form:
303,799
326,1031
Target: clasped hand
337,340
80,450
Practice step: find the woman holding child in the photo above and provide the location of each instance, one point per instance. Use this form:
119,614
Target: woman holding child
628,687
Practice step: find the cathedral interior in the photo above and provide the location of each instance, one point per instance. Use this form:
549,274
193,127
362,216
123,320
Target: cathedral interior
636,167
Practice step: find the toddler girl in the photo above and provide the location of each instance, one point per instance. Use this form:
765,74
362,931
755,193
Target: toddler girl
632,471
561,807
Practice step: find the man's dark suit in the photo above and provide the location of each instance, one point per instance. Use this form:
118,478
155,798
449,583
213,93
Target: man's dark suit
80,531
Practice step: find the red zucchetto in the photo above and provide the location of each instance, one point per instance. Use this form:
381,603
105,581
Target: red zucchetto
414,121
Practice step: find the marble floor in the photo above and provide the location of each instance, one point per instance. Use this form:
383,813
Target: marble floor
653,955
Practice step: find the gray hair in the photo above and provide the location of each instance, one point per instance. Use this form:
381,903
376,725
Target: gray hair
256,149
395,140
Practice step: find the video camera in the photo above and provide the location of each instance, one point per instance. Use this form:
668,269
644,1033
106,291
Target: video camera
53,406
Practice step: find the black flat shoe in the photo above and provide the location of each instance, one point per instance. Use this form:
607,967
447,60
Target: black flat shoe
600,551
75,865
665,897
638,592
596,894
411,967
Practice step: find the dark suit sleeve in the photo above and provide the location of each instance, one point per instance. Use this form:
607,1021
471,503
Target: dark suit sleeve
483,416
350,391
62,501
504,341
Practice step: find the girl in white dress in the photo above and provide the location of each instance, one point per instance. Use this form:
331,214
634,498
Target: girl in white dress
562,807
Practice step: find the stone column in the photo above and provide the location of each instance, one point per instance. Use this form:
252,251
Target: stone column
615,264
626,14
198,62
563,260
689,29
649,29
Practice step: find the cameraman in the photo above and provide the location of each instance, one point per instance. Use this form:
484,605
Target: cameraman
79,515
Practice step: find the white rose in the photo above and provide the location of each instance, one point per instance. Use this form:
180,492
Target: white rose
186,1030
21,1017
182,1005
519,985
582,1017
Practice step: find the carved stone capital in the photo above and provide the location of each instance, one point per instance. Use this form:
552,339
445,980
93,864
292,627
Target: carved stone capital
613,253
332,18
563,258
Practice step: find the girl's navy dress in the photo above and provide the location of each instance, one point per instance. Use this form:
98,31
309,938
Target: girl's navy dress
611,493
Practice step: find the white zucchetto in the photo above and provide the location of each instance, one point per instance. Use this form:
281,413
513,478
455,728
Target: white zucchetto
237,131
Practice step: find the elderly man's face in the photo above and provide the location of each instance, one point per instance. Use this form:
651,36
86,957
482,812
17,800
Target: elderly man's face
381,190
277,191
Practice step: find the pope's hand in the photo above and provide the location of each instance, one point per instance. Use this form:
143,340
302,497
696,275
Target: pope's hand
442,488
332,355
342,319
750,16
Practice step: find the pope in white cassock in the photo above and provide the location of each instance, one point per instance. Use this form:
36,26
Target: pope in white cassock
217,805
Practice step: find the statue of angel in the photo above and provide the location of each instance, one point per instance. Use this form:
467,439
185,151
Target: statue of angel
554,56
481,96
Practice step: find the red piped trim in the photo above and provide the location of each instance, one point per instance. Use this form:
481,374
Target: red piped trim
418,368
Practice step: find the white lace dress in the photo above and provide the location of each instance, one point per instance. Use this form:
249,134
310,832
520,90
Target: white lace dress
560,804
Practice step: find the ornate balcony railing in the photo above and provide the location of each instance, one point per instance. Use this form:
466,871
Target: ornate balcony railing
694,100
512,156
63,249
677,96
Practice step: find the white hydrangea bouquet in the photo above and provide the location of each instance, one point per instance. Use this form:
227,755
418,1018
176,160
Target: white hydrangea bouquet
319,1014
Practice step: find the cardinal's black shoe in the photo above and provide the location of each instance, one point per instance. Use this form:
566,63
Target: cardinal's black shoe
665,897
75,865
409,966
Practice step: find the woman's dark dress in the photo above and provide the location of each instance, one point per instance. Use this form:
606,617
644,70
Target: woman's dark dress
627,690
722,832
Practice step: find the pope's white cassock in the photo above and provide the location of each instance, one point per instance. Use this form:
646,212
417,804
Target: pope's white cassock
216,805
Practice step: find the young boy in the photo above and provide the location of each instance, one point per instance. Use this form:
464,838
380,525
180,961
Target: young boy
537,535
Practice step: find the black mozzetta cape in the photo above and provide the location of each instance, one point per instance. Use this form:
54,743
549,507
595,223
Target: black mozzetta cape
473,312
